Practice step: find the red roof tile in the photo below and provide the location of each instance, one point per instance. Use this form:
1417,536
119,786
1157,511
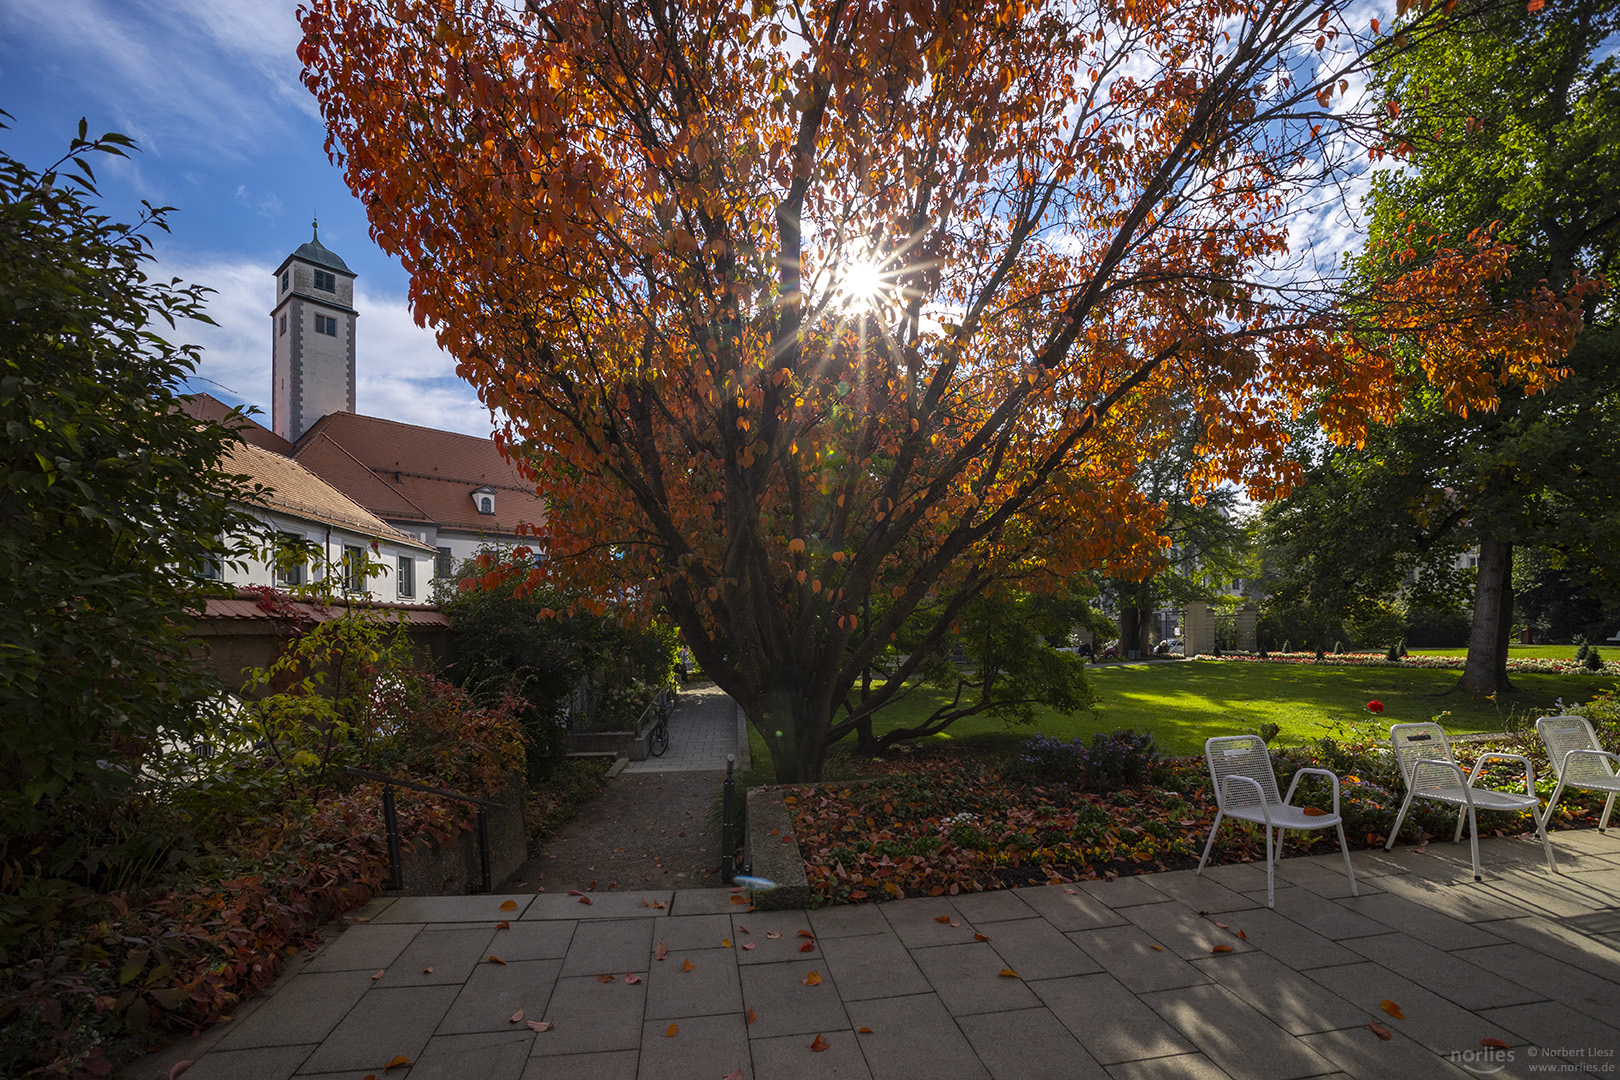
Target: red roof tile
207,407
246,606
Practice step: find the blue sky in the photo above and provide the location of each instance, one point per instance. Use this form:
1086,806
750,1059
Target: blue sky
209,90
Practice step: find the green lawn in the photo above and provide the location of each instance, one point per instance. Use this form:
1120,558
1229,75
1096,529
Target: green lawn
1517,652
1184,704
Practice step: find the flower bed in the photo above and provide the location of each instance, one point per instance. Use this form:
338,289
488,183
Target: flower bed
1518,665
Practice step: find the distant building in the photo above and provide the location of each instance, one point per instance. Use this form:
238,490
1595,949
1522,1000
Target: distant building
312,328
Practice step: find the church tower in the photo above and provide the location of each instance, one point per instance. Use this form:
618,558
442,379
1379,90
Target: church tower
312,335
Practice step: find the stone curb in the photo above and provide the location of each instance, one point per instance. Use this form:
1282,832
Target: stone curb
775,857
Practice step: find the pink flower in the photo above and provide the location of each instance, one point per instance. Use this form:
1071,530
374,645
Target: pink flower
1375,706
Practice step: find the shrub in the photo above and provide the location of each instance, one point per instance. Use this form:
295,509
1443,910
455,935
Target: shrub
1592,661
1111,761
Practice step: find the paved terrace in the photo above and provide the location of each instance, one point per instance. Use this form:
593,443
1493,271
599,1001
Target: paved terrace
1114,979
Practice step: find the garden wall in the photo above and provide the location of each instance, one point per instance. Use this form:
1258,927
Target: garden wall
434,870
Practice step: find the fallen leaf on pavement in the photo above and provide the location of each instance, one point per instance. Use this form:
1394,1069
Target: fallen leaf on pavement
734,1075
1223,926
820,1044
427,971
509,905
1491,1040
808,946
495,960
585,900
604,978
377,976
661,952
1392,1008
1381,1031
942,918
399,1061
742,930
179,1067
515,1017
725,942
806,933
1221,948
1008,973
669,1032
1157,948
503,925
735,899
538,1025
863,1031
1242,935
631,980
981,937
813,979
752,1016
750,945
575,892
687,965
773,934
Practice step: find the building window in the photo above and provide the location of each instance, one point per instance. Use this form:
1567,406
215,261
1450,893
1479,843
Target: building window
325,325
354,569
285,279
325,281
289,559
407,577
445,564
283,324
210,569
486,505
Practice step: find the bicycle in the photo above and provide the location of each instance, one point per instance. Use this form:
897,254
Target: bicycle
658,738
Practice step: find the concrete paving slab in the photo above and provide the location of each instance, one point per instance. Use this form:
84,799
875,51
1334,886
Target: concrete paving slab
695,931
1562,943
1187,933
1430,1019
432,959
462,909
995,905
610,947
784,1005
1290,1000
1424,923
495,992
1182,1067
967,979
703,1046
1123,892
873,966
1571,987
913,1038
710,988
1560,897
702,902
1239,876
789,1057
1036,950
917,922
364,948
1322,875
589,1016
608,1065
1365,1056
1467,901
303,1010
1455,979
1108,1020
1557,1033
1067,908
848,921
603,905
757,927
499,1055
1028,1044
1139,962
260,1063
1201,892
385,1024
1235,1036
533,940
1333,921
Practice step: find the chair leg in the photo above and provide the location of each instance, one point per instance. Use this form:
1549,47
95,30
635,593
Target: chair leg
1462,812
1344,849
1400,817
1210,843
1546,845
1473,841
1603,822
1271,887
1546,815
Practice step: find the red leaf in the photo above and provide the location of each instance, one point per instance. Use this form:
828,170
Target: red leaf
1381,1031
179,1067
575,892
942,918
1311,811
752,1016
538,1025
515,1017
631,980
503,925
863,1031
1535,6
377,976
808,946
820,1044
1243,935
585,900
661,952
806,933
751,945
1492,1040
734,1075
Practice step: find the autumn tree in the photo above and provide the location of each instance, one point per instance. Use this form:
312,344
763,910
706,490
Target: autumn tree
1513,119
791,305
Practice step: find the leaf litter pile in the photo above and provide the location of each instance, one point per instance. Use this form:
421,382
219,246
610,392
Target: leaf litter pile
946,825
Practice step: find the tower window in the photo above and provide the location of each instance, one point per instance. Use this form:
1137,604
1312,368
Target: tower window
285,279
325,325
325,282
284,323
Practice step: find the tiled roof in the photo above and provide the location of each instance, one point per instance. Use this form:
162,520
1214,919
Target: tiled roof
246,605
209,408
419,472
297,491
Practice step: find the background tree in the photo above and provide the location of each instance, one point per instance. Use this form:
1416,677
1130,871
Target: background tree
111,499
789,304
1512,117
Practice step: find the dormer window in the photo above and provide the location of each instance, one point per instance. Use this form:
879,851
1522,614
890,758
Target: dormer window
484,499
325,282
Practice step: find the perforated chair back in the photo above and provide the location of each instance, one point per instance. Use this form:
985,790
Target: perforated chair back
1241,755
1561,734
1413,743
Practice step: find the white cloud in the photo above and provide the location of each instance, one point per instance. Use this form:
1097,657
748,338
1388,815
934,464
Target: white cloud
400,371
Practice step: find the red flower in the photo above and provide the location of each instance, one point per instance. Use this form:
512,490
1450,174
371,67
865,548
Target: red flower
1375,706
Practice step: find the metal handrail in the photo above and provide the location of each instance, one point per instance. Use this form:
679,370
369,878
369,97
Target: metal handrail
396,869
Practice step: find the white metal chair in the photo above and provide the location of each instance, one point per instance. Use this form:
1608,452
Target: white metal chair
1430,772
1246,789
1578,760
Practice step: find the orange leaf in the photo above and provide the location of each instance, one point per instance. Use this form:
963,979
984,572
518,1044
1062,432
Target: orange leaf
808,946
1492,1040
820,1044
725,942
503,925
398,1061
687,965
813,979
738,898
1243,935
942,918
752,1016
806,933
495,960
863,1031
1381,1031
669,1032
1221,948
1392,1008
605,978
509,905
1008,973
1157,948
1535,6
515,1017
585,900
1311,811
981,937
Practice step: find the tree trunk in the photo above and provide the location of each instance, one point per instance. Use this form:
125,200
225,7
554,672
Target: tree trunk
1486,668
798,740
